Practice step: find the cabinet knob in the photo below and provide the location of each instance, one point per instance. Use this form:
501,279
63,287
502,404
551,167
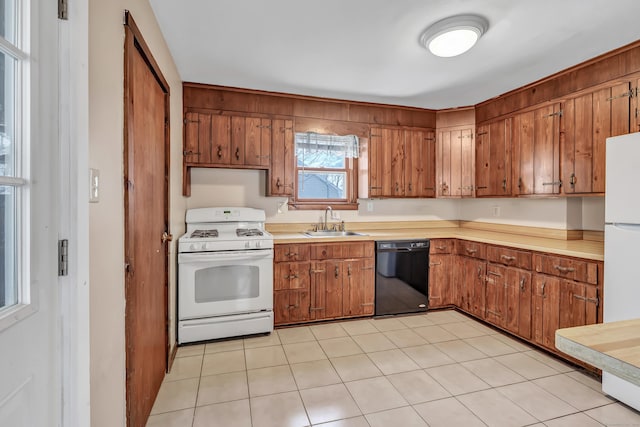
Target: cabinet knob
219,152
237,153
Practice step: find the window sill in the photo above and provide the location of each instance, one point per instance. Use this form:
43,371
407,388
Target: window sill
317,206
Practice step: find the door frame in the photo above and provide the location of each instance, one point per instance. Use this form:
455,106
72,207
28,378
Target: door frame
134,42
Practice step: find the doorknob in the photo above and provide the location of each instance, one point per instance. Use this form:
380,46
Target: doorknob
166,237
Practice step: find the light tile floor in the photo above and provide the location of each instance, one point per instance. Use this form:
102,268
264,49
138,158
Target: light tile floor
436,369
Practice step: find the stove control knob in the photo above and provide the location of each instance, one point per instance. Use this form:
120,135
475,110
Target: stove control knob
247,245
193,247
258,244
204,246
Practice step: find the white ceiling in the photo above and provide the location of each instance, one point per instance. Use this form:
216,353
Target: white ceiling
368,50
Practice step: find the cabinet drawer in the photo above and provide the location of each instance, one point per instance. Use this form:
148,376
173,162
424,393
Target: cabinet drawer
342,250
441,246
509,257
290,253
471,249
291,275
569,268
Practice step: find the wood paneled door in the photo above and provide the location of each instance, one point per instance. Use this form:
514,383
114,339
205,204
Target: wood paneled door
146,173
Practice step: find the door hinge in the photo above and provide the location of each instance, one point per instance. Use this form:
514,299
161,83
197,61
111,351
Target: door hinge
63,12
63,257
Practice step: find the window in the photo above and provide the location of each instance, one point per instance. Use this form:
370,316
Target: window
325,166
13,154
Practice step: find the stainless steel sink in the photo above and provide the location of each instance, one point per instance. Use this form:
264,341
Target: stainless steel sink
331,233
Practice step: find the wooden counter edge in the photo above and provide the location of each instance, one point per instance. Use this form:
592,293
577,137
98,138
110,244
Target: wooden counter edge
600,360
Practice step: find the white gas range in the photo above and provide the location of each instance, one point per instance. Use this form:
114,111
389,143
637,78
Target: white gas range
225,275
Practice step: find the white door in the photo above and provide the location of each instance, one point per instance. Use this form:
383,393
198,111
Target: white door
30,335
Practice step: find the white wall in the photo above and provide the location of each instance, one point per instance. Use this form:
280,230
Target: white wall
229,187
106,234
593,213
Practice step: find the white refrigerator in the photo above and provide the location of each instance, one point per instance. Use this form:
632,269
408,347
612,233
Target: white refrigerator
622,247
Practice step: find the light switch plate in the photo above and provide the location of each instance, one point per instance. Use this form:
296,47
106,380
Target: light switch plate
94,185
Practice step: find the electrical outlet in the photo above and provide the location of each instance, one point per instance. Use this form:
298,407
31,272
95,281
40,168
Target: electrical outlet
495,210
94,185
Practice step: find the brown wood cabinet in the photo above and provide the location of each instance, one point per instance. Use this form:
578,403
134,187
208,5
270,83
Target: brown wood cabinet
536,151
281,176
329,280
517,309
493,159
546,313
442,292
401,162
588,121
455,161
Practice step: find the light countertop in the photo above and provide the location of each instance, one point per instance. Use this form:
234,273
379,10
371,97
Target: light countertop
588,249
613,347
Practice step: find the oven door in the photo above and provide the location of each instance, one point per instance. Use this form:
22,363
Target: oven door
224,283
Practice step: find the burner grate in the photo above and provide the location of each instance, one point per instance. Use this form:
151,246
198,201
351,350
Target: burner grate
204,233
248,232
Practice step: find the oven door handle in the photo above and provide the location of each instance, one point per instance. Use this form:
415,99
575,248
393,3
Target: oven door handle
224,256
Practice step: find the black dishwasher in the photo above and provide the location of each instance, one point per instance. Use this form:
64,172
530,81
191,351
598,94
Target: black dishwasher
402,276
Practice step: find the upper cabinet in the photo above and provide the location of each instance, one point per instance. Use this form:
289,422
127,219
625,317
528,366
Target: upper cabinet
536,151
493,159
226,141
455,158
401,163
589,120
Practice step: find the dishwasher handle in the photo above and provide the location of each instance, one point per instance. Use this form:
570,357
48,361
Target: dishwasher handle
391,250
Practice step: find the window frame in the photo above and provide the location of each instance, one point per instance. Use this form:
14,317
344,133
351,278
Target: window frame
350,202
26,298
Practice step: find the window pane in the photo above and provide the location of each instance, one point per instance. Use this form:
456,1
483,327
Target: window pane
7,20
312,156
7,111
322,185
8,287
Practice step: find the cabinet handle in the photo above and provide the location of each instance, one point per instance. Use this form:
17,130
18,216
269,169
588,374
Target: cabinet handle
291,276
471,251
290,254
504,184
316,271
493,273
542,289
375,188
519,183
507,258
441,248
522,282
397,187
188,153
410,187
292,306
237,153
278,183
349,270
558,183
479,272
337,272
219,151
573,180
433,264
564,269
595,301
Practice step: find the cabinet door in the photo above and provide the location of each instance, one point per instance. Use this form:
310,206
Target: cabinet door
194,131
379,165
394,139
291,306
455,158
495,294
419,163
578,304
536,136
546,316
282,171
257,141
493,159
440,272
588,121
326,289
474,283
220,147
517,304
359,287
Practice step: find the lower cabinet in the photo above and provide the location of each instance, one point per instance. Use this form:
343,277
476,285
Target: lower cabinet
441,289
336,280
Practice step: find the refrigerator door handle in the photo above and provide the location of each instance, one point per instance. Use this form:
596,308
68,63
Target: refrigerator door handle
627,227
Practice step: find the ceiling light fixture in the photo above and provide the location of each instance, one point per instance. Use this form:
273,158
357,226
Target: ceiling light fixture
455,35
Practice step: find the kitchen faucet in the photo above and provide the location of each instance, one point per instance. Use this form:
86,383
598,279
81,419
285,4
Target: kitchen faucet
325,216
